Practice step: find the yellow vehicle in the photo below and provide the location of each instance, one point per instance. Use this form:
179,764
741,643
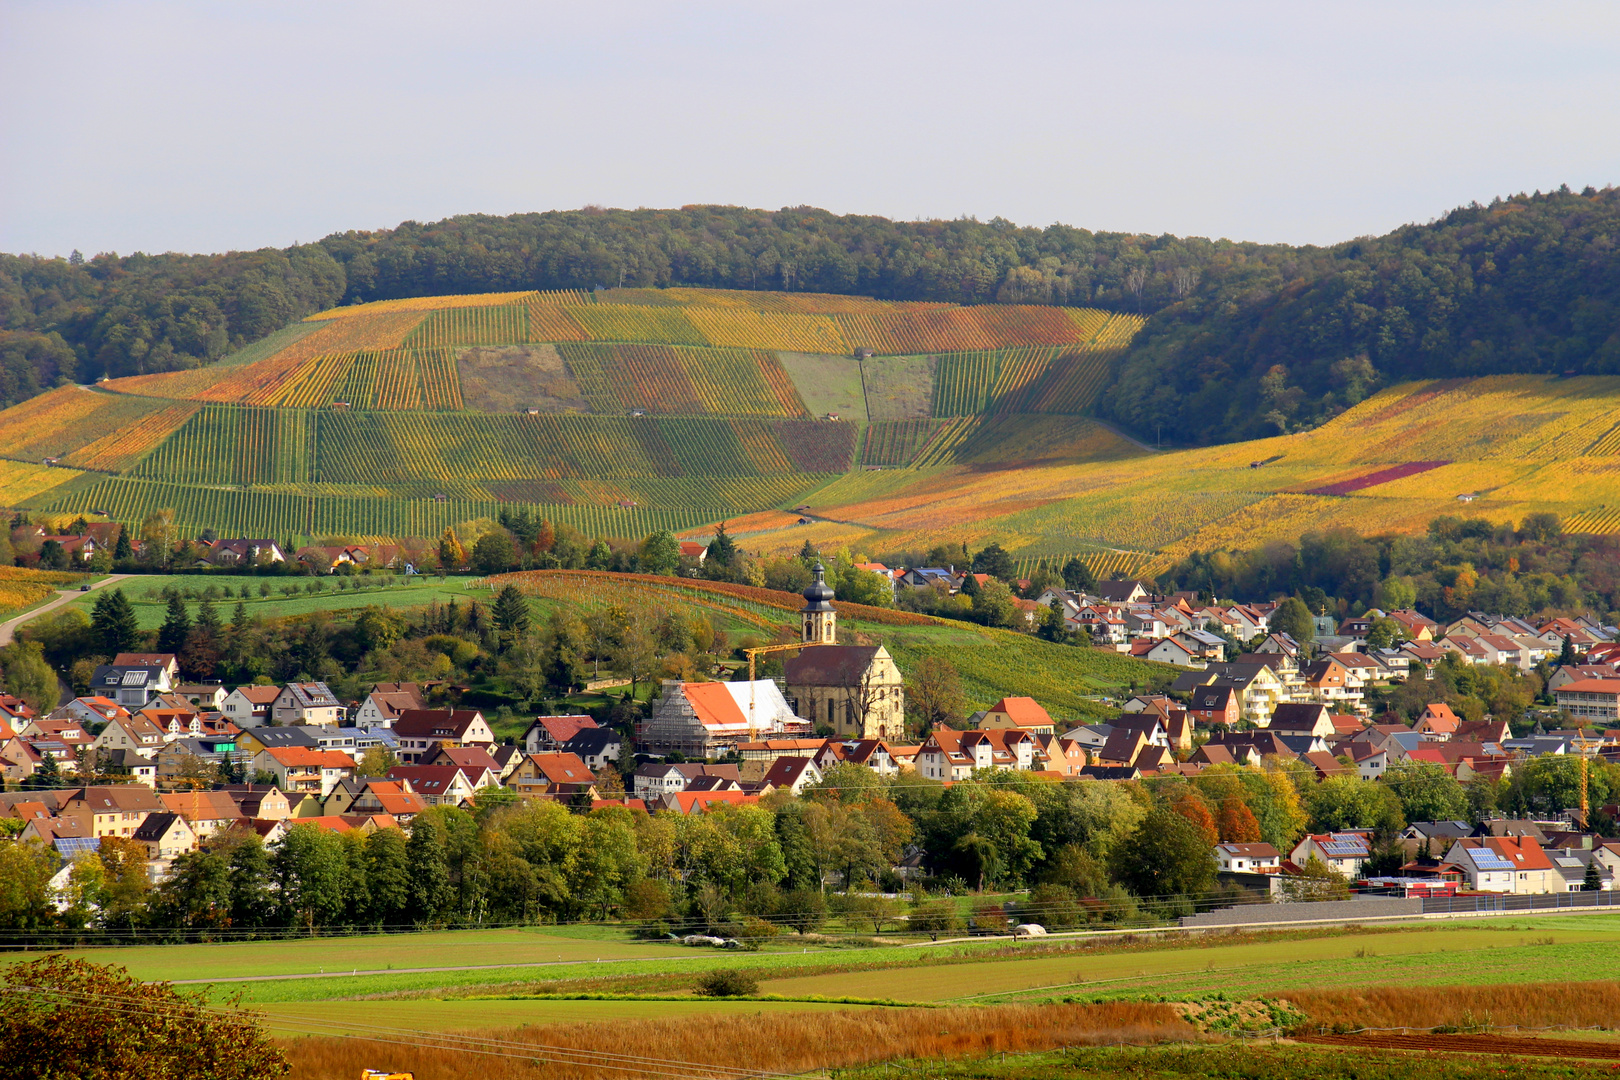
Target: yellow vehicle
378,1074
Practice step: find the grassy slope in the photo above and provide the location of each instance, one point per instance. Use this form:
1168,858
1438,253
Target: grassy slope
295,1018
828,384
144,594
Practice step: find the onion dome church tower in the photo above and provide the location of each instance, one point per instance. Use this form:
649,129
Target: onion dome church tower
820,620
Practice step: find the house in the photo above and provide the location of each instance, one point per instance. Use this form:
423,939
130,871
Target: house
1056,754
1248,859
207,812
856,690
254,739
422,731
301,704
546,734
139,768
392,698
167,661
1591,698
1129,591
70,733
1023,713
110,810
137,733
1341,851
651,782
261,801
165,835
475,760
368,795
792,774
245,552
249,706
129,685
948,754
92,709
1510,864
696,802
874,754
1328,680
705,720
1437,722
1215,704
194,761
556,775
597,747
1302,718
438,785
301,770
1436,837
1170,650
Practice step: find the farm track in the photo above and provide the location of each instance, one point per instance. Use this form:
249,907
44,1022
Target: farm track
1519,1046
8,629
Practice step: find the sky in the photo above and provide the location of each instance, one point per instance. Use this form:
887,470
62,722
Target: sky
214,126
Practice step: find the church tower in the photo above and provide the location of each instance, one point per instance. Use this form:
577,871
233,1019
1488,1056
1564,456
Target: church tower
820,620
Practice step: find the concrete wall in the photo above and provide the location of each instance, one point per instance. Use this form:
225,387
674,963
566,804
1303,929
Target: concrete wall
1372,907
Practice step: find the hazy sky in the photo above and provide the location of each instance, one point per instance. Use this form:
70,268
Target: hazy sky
239,124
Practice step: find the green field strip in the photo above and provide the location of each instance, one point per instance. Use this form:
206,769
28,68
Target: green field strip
828,385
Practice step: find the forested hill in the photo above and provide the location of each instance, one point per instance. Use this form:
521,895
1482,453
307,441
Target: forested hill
1526,284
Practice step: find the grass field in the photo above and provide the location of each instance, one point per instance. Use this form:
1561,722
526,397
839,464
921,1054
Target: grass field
145,594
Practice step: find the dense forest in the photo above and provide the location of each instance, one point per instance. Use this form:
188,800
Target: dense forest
1527,284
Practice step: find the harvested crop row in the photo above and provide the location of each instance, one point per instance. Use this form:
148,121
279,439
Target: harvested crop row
119,450
893,443
504,325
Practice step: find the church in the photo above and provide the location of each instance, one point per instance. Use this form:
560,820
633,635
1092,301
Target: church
854,689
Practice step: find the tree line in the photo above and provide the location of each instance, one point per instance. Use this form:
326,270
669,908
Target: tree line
1095,850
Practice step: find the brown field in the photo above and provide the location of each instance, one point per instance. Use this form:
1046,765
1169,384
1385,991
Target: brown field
1571,1004
1471,1044
709,1045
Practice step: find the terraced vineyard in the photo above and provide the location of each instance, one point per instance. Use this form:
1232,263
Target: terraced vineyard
618,411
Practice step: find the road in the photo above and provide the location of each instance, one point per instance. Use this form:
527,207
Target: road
8,629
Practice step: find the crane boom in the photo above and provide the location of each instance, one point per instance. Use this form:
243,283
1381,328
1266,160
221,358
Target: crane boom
754,652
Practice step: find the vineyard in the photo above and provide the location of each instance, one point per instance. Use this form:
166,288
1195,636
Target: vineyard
22,483
896,443
21,588
272,513
66,419
682,379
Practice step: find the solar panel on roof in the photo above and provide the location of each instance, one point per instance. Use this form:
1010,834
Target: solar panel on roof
1486,859
77,845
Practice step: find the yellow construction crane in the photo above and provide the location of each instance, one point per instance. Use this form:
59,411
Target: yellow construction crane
1581,743
752,668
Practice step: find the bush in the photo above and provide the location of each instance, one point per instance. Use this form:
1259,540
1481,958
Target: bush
728,982
1053,905
654,930
990,918
803,910
934,918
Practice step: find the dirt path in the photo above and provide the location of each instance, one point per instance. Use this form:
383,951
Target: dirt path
8,629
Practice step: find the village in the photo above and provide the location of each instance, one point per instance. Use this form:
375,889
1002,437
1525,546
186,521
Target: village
167,769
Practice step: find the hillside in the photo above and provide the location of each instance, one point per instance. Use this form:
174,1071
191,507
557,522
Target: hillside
992,663
1499,447
619,412
1243,340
